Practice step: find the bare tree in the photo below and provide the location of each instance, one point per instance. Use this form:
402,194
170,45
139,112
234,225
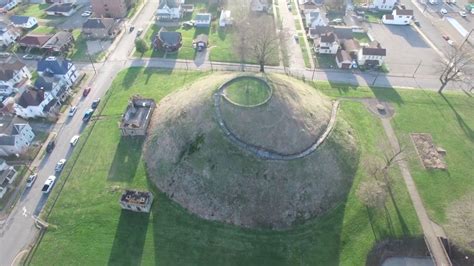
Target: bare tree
459,62
372,193
263,40
240,14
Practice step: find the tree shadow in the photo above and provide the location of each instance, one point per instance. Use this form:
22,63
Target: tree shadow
462,124
129,241
130,77
126,159
401,220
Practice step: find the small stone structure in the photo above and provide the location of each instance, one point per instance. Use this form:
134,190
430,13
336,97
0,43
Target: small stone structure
138,201
137,116
431,157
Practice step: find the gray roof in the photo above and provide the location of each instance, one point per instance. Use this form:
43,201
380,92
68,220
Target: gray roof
59,40
99,23
341,32
404,12
9,66
9,127
18,20
169,3
137,113
61,8
30,97
203,17
342,56
169,37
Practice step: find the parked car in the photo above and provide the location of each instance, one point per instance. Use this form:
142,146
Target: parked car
446,37
48,185
60,165
139,31
289,7
463,14
31,179
4,54
337,21
95,103
443,11
451,42
86,13
72,110
86,91
131,28
189,24
28,57
87,115
296,38
74,140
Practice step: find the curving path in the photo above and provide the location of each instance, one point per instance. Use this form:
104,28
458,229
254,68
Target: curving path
261,152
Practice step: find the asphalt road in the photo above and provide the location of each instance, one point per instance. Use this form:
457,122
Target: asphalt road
19,231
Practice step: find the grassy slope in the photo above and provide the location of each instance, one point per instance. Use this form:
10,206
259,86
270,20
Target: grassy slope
247,92
90,229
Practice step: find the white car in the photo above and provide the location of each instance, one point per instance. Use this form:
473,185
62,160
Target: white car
31,179
74,140
451,42
463,14
48,185
60,165
443,11
86,13
72,111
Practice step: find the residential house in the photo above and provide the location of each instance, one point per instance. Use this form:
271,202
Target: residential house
13,74
187,8
7,176
99,28
138,201
111,8
24,22
202,20
399,16
33,103
169,10
260,5
383,4
372,55
306,5
201,42
60,68
169,41
328,44
8,34
136,117
57,87
62,41
16,136
340,31
10,5
351,46
315,18
61,9
31,41
343,59
225,18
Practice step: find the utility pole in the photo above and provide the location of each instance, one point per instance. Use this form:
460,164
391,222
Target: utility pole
466,39
314,70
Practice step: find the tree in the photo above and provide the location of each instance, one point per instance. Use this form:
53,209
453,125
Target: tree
263,40
459,63
240,16
372,194
141,45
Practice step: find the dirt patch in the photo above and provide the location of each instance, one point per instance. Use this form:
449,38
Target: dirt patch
431,157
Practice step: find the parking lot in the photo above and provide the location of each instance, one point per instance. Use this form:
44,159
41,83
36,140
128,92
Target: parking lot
407,51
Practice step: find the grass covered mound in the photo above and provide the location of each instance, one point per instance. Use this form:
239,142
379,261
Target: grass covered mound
190,159
247,91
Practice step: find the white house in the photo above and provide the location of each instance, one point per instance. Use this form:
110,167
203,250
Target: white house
7,176
372,55
315,18
399,16
60,68
54,86
61,9
13,72
259,5
383,4
169,10
24,22
202,20
10,5
225,18
328,44
8,34
34,103
16,136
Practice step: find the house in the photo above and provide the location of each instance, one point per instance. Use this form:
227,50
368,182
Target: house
16,136
315,18
54,86
260,5
136,117
187,8
24,22
7,176
35,103
13,73
340,31
8,34
343,59
138,201
10,5
31,41
111,8
383,4
351,46
60,68
225,18
169,10
399,16
328,44
62,41
306,5
61,9
201,42
169,41
372,55
202,20
99,28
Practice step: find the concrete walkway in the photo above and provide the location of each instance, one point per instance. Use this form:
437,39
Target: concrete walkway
437,250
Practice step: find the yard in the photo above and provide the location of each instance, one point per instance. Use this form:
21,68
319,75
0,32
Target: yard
44,30
89,228
362,37
304,51
32,10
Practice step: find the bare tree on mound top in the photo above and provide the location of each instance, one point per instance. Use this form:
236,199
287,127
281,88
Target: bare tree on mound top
458,65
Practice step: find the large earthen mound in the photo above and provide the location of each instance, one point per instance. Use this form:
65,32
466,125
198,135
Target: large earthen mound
190,157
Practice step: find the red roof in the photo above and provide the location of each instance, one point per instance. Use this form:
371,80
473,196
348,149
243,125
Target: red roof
32,40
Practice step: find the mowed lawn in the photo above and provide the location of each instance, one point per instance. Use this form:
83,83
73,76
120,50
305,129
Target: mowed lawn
87,226
247,91
449,118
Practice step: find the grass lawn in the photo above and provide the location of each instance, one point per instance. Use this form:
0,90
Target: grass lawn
374,17
79,51
297,24
325,60
247,91
89,228
304,51
44,30
32,10
361,37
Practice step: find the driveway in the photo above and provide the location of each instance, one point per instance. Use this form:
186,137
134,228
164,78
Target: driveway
407,51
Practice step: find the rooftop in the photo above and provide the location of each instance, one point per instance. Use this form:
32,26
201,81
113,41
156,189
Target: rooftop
9,66
19,19
138,112
9,127
61,8
59,40
137,198
34,39
99,23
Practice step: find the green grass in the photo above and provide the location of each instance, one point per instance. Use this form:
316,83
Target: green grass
325,61
304,51
362,37
32,10
44,30
293,8
89,228
247,91
79,51
297,24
